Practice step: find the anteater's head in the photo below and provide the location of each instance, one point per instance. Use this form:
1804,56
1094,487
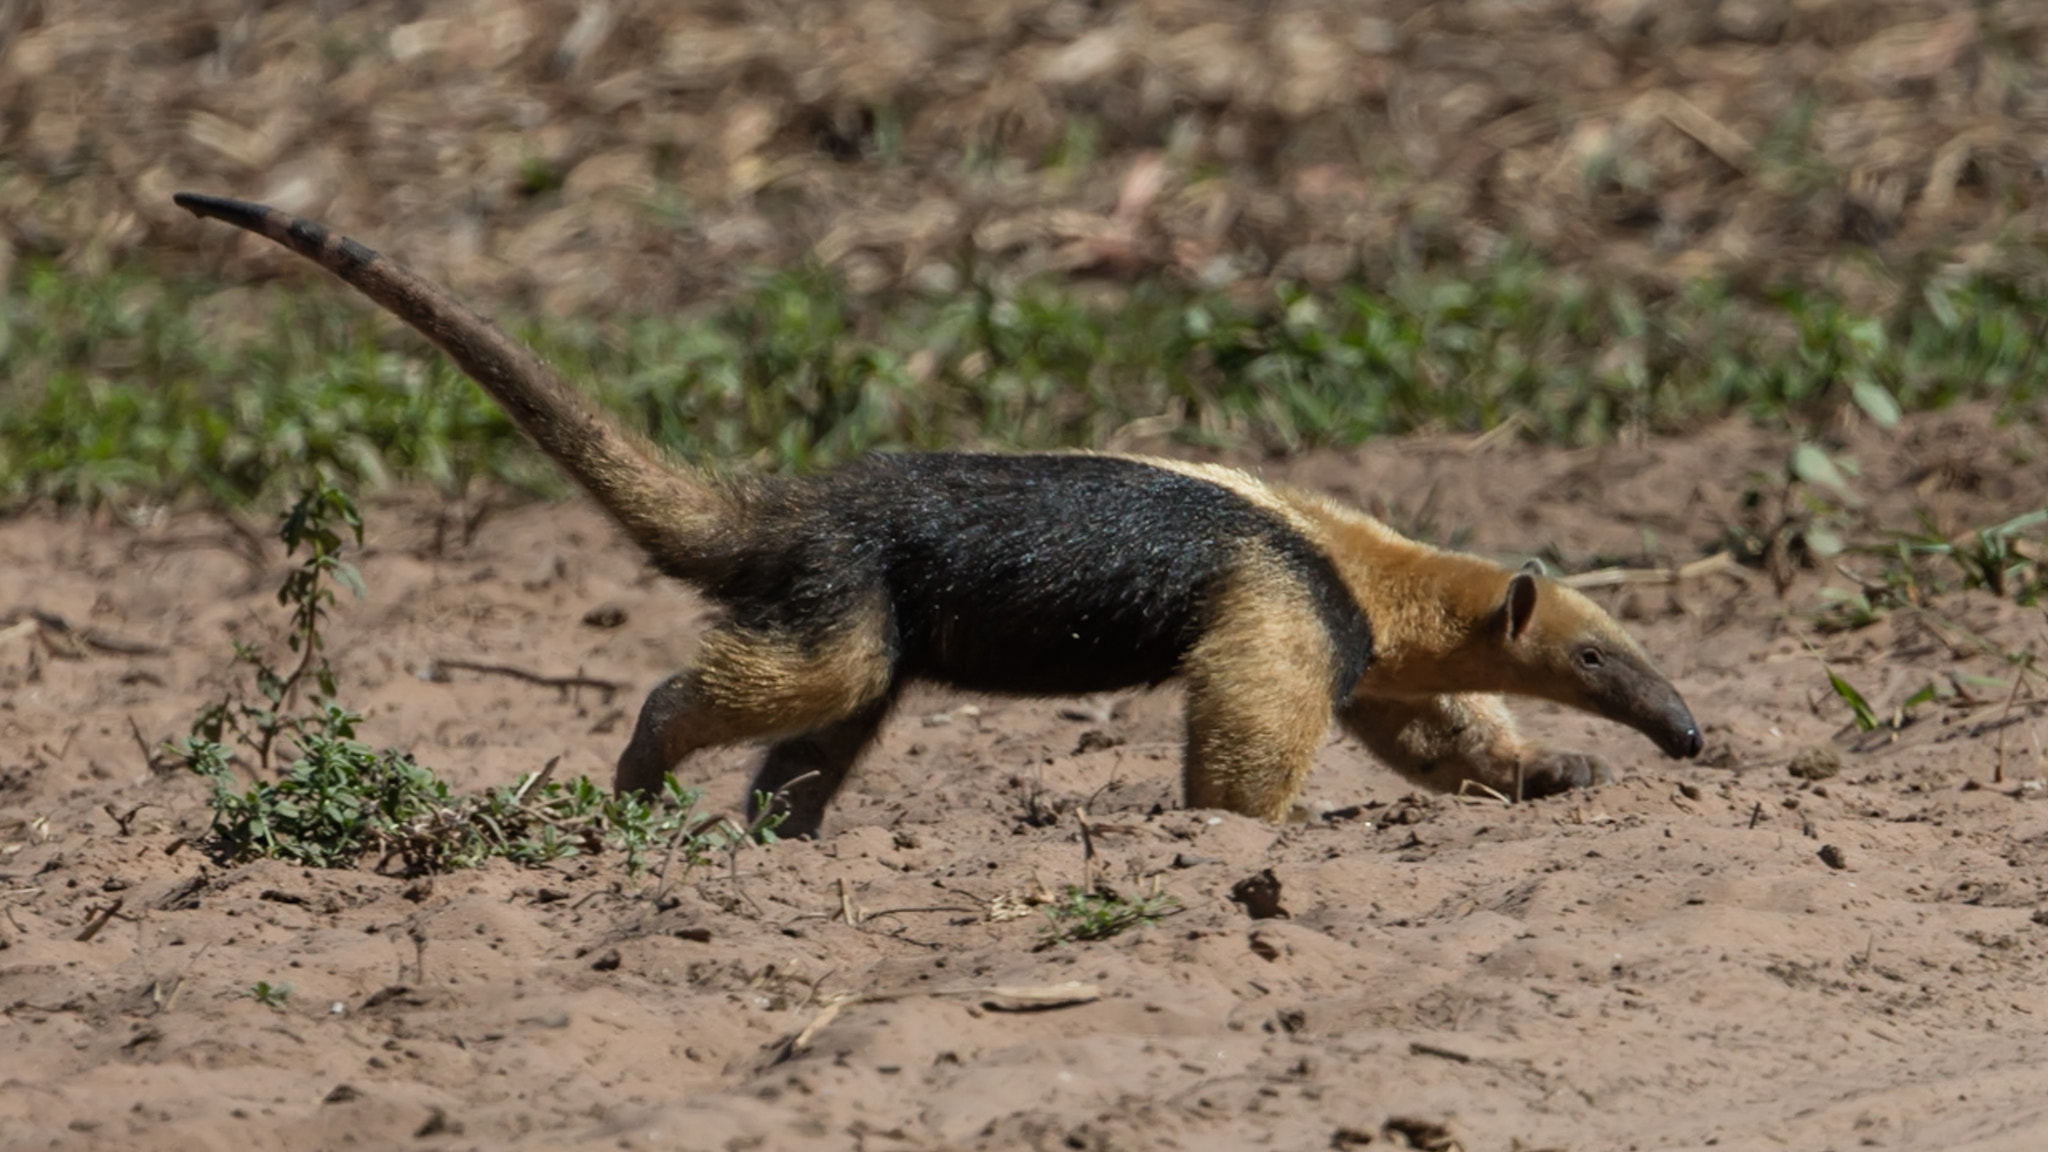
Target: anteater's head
1563,647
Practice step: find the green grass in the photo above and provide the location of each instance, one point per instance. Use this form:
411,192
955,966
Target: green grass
341,803
131,388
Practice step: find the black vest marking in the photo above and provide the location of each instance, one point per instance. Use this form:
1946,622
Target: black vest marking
1041,575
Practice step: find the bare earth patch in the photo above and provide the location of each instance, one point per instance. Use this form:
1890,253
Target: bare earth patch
1667,962
564,156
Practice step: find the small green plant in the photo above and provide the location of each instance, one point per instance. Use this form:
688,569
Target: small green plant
339,801
1081,914
322,521
538,176
2003,559
270,995
1999,559
1866,716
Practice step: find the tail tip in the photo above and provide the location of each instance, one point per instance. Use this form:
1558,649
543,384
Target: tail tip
239,212
198,203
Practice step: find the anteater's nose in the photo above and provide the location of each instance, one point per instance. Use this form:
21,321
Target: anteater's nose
1682,741
1676,732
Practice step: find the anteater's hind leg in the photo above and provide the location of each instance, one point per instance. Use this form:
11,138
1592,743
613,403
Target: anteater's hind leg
1442,741
804,772
748,684
1260,686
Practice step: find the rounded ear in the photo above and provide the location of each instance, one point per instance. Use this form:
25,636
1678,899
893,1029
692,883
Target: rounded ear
1520,606
1534,567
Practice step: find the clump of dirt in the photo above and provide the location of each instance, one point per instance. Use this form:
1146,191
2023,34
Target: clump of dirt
1668,961
565,155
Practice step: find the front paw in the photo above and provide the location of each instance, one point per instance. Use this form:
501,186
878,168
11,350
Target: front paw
1554,772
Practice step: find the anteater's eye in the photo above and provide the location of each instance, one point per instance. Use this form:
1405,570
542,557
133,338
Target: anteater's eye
1589,657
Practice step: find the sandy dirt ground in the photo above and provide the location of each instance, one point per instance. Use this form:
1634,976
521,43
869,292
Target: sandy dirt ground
1667,962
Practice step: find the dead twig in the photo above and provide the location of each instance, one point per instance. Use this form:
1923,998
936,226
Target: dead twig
999,998
1730,146
126,820
50,623
741,836
1087,848
2021,667
99,920
564,683
881,912
64,749
151,761
1502,433
1719,562
1468,786
684,833
536,781
1420,1048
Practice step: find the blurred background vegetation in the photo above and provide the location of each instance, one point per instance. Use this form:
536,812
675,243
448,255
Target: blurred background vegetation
782,233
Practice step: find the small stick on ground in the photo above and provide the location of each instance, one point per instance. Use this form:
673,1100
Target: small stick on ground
1722,562
833,1007
1468,786
416,931
684,833
127,820
867,916
1087,848
70,734
765,816
1001,998
99,921
2020,669
53,624
536,781
150,760
165,995
564,683
738,837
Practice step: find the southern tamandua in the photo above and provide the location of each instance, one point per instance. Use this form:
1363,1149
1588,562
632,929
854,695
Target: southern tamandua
1053,574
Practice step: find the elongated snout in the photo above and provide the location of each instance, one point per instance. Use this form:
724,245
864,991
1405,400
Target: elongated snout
1646,702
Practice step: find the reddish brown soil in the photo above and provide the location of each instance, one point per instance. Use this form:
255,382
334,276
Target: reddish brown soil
1667,962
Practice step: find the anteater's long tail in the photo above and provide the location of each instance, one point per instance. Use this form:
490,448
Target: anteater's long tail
676,515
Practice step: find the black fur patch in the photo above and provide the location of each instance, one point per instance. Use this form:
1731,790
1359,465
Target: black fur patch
1042,575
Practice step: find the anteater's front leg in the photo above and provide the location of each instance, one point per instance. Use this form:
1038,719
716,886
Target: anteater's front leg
1442,741
1260,684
